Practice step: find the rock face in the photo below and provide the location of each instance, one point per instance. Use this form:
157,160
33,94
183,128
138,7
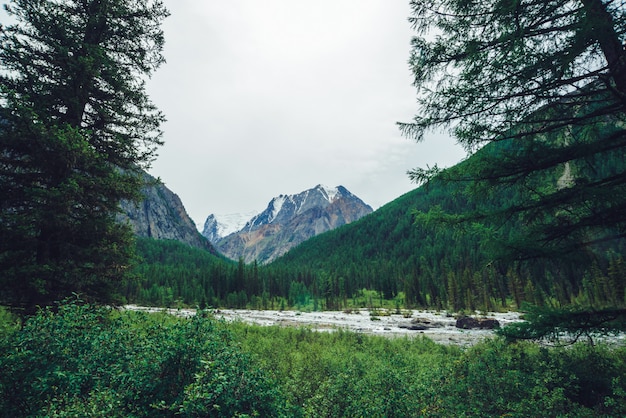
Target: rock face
288,221
211,229
161,215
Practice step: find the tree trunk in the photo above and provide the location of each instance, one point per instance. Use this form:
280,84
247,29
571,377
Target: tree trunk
602,29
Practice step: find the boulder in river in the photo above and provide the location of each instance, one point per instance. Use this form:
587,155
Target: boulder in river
468,322
421,324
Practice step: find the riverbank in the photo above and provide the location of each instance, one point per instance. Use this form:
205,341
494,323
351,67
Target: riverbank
439,326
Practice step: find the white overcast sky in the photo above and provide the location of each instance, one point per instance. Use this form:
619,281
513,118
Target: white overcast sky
276,96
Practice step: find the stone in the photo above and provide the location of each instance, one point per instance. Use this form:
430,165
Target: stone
468,322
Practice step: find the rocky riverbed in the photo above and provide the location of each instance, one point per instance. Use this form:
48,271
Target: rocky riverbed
437,325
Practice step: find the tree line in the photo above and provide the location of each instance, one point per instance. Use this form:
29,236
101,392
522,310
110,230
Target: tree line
449,271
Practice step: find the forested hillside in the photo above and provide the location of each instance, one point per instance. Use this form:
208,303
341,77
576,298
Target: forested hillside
171,273
438,261
403,252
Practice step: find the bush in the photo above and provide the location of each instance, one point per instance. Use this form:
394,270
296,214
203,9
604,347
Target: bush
80,360
523,379
85,361
9,323
345,374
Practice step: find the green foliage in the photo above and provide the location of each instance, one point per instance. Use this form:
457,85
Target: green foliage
171,271
86,361
79,360
493,66
542,87
9,323
499,379
570,323
76,126
344,374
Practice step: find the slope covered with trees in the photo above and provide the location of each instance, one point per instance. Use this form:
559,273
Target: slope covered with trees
546,78
402,251
440,261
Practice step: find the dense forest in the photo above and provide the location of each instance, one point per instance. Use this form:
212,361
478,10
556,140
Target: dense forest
403,252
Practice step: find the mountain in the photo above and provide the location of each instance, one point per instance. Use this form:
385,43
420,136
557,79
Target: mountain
287,221
217,227
393,252
161,215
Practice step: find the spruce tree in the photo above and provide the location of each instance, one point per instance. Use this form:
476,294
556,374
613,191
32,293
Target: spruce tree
539,86
76,127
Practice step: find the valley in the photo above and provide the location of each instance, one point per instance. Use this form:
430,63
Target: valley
495,287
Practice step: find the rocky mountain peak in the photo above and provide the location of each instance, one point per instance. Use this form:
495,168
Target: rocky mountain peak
161,215
218,226
210,230
287,221
283,208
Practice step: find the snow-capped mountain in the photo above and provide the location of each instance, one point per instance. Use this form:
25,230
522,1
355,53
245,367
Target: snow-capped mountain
218,226
287,221
286,207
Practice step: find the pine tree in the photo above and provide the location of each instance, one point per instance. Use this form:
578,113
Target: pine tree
76,126
545,81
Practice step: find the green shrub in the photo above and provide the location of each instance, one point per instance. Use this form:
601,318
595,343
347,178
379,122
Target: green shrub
344,374
523,379
87,361
9,323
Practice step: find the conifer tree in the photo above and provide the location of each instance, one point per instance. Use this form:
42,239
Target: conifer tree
543,83
76,126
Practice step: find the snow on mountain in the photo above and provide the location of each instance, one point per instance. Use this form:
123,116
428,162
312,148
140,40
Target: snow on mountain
218,226
284,207
330,193
287,221
277,205
233,222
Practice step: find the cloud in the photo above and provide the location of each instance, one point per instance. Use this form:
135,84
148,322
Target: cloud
272,97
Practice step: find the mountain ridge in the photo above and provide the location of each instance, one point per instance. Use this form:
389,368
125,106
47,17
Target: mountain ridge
217,226
287,221
161,215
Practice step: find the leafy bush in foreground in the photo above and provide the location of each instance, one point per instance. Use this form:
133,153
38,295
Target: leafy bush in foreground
87,361
345,374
